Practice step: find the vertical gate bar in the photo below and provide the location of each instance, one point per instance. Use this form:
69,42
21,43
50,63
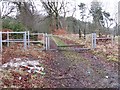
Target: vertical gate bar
43,41
46,41
1,42
28,38
25,43
7,39
0,48
93,40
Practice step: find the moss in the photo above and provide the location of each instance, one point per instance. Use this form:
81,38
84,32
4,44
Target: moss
74,57
58,41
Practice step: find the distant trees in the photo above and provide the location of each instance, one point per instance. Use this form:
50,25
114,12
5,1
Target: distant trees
82,9
107,19
56,16
12,24
53,10
115,20
101,18
96,12
26,13
6,9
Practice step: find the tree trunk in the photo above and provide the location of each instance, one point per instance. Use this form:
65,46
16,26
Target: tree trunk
79,33
84,34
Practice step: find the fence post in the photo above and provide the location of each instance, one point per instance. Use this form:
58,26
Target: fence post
1,42
28,38
25,41
7,39
93,40
46,41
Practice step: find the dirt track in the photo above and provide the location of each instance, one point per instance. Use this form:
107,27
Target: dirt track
78,73
70,69
66,69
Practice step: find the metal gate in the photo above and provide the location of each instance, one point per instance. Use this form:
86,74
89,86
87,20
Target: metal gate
49,42
25,40
66,44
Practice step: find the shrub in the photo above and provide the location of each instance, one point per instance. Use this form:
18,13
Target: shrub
59,32
14,25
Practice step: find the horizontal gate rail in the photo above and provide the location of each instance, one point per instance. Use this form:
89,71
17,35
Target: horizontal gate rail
26,39
71,45
95,38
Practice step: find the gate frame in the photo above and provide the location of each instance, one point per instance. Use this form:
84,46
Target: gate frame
25,39
94,38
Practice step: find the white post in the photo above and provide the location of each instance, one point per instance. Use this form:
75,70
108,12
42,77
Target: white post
1,42
93,40
25,41
7,39
28,38
43,40
46,41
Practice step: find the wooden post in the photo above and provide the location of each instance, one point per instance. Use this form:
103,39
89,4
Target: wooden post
79,33
1,42
93,40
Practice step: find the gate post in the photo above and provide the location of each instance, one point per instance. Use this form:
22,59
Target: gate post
44,40
46,43
7,39
28,38
25,41
93,40
0,48
1,42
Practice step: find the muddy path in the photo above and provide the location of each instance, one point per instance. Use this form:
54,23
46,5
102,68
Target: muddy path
80,72
63,69
70,69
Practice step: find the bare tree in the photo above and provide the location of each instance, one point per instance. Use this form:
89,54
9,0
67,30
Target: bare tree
7,8
26,13
53,9
82,8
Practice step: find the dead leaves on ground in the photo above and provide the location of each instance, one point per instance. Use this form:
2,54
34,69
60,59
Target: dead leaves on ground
16,50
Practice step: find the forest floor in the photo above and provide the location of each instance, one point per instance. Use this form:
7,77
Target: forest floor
56,69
